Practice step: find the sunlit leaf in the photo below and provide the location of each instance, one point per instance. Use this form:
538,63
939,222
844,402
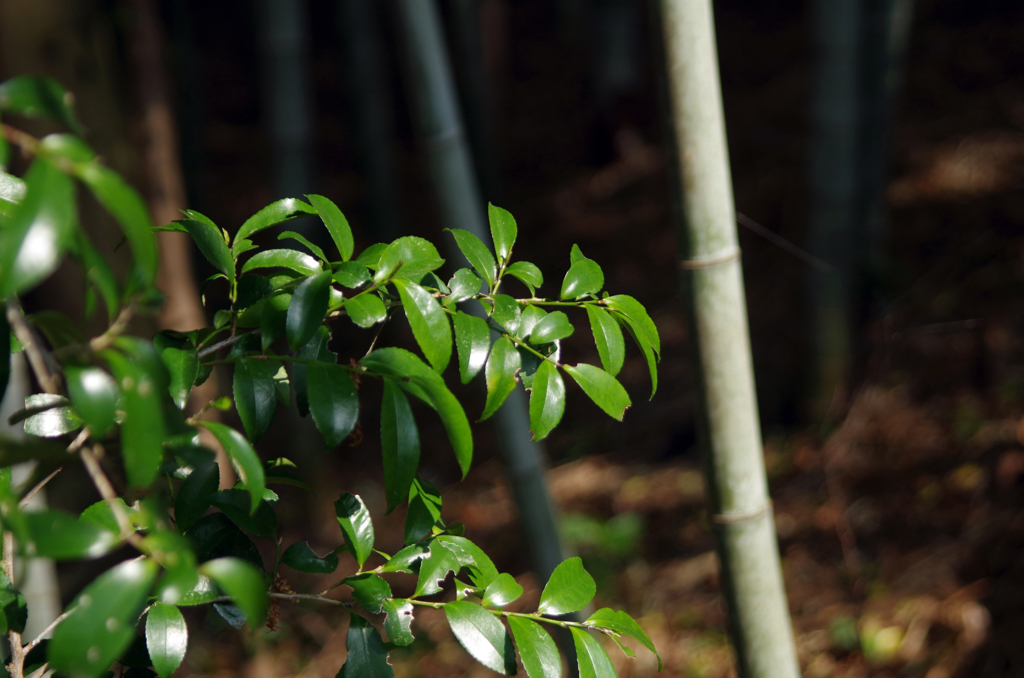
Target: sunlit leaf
301,557
429,322
351,274
502,366
243,582
398,622
210,241
503,231
552,327
336,223
366,310
434,569
569,589
408,257
547,400
333,402
293,260
583,277
592,659
463,285
608,338
536,648
482,635
142,429
60,536
243,458
503,590
166,638
476,252
369,590
275,213
604,389
621,622
473,341
354,519
302,240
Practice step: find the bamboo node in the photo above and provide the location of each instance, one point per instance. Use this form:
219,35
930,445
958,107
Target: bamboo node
714,260
733,518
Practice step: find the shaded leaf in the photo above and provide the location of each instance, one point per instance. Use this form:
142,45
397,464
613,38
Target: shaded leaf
243,458
400,444
370,257
351,274
502,366
243,582
526,273
367,657
275,213
235,505
398,622
476,252
536,648
142,428
255,396
307,309
300,556
166,638
101,515
547,400
593,660
333,402
608,338
196,494
434,569
429,323
356,525
481,570
621,622
407,560
369,590
336,223
552,327
215,536
603,388
482,635
292,260
503,231
569,589
302,240
473,340
502,590
274,319
424,510
13,609
57,535
366,310
210,241
315,349
39,97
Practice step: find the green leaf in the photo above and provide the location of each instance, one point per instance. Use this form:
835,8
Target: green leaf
416,378
98,272
593,660
271,215
210,241
356,525
503,590
48,415
477,254
300,557
503,231
505,311
315,349
370,257
124,203
473,340
526,273
536,648
463,285
608,338
196,494
366,310
215,536
274,319
547,400
424,510
336,223
39,97
603,389
94,394
552,327
369,590
400,444
25,448
634,311
235,505
333,402
429,323
502,366
531,315
301,239
243,582
570,589
434,569
307,309
583,277
367,657
481,570
407,560
243,458
398,622
408,257
293,260
101,515
255,396
482,635
102,620
57,535
183,366
620,622
142,429
13,609
351,274
166,638
34,239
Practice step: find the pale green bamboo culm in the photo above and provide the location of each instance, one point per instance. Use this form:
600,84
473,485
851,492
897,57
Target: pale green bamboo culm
728,423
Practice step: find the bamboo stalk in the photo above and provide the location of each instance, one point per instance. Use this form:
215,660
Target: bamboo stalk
713,279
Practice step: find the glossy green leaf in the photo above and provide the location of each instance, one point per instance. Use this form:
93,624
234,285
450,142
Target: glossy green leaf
505,311
608,338
418,379
336,223
243,458
235,504
333,402
354,519
255,396
604,389
400,444
128,208
166,638
552,327
481,570
583,277
463,285
300,556
243,582
526,273
622,623
315,349
482,635
40,230
369,590
429,322
536,648
529,318
367,657
101,515
407,560
370,257
13,609
142,429
57,535
502,365
351,274
39,97
592,659
183,366
503,590
274,319
424,510
292,260
434,569
473,341
210,241
366,310
307,309
215,536
476,252
102,620
639,319
547,400
196,494
275,213
503,231
569,589
398,622
48,415
408,257
302,240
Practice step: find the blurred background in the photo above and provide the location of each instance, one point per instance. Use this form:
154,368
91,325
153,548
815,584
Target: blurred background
878,144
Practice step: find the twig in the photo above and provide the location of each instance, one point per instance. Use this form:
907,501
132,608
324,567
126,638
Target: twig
35,356
17,663
42,634
38,486
222,344
781,242
106,490
115,330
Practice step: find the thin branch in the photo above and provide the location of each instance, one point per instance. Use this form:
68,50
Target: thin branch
106,490
115,330
38,486
16,666
223,344
35,355
42,634
778,240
